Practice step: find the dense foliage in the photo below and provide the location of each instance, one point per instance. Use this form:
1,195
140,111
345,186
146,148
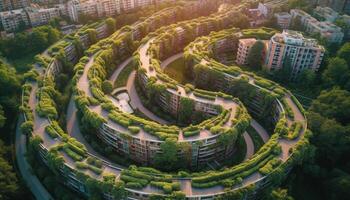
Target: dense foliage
29,43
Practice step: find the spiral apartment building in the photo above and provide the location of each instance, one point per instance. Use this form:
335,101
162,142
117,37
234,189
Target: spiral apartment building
85,171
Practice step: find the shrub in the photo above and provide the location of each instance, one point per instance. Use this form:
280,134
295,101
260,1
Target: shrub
134,129
107,87
27,127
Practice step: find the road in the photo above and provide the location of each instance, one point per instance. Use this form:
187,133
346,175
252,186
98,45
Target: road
32,181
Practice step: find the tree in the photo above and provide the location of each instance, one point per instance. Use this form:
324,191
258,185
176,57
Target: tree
111,25
186,110
297,24
255,55
283,75
306,78
279,194
337,73
8,179
167,160
333,104
107,87
2,117
241,21
39,40
344,53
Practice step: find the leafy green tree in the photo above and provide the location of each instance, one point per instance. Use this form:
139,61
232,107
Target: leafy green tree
255,55
107,87
8,179
296,24
333,104
167,160
344,53
283,75
306,78
2,117
111,25
39,40
186,110
337,73
280,194
339,184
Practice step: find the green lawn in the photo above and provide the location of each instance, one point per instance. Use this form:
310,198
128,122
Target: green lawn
257,140
122,79
177,71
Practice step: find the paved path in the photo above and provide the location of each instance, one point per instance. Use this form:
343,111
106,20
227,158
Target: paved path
136,103
262,132
119,69
250,146
32,181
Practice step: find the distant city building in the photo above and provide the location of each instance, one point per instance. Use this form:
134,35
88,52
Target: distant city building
35,16
62,8
7,5
303,53
42,16
326,13
256,18
325,29
338,5
283,19
11,20
269,7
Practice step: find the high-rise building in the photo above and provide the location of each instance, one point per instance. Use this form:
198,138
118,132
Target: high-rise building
41,16
11,20
338,5
283,19
6,5
303,53
325,29
244,46
98,8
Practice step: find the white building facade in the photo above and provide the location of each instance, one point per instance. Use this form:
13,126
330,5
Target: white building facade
303,53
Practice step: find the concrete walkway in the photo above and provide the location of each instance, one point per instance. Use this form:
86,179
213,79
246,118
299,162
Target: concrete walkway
32,181
250,146
136,103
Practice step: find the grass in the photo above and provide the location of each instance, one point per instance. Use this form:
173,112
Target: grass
177,71
257,140
122,78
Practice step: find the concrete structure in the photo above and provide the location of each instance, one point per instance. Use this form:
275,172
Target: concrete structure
304,53
244,47
269,7
6,5
100,8
283,19
325,29
41,16
326,13
71,174
338,5
12,19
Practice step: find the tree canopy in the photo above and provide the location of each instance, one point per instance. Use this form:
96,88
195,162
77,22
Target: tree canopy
255,55
29,43
337,73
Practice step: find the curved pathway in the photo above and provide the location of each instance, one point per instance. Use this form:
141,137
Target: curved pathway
247,138
250,145
31,180
136,102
